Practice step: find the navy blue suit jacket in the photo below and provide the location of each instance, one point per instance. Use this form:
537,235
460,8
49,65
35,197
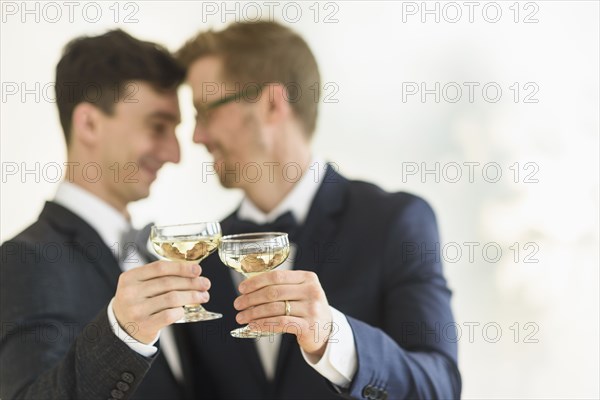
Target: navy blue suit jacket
374,253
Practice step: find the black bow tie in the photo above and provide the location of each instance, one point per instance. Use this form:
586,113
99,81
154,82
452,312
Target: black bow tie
284,223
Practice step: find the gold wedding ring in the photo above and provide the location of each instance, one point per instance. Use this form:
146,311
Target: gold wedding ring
288,308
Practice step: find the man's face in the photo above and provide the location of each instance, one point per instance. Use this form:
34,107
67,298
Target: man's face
137,139
232,132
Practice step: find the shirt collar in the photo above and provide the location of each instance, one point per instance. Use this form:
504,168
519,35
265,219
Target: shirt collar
298,200
105,219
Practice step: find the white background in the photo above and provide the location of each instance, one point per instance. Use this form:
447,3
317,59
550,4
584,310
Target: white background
547,310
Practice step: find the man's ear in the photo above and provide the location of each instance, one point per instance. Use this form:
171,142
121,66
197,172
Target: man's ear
276,103
86,121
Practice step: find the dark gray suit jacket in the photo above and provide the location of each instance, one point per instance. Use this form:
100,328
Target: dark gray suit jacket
56,280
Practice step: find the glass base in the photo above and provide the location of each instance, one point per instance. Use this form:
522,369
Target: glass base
246,333
197,313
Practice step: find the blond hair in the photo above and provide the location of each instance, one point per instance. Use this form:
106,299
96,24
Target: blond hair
260,53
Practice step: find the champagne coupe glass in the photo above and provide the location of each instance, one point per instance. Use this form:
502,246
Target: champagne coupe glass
251,254
188,242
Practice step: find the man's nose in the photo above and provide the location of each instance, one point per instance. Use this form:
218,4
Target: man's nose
200,134
169,149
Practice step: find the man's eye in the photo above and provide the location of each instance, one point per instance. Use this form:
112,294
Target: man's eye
202,116
159,128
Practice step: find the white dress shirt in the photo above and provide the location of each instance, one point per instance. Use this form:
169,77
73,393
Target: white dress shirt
339,362
111,226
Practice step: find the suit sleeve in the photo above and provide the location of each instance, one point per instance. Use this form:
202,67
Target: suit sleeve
45,351
414,353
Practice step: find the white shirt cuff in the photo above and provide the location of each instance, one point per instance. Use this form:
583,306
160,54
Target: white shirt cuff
339,362
146,350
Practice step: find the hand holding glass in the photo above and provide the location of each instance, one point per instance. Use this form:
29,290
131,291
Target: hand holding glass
251,254
188,242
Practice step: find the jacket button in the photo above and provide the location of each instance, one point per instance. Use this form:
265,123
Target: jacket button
384,395
122,386
368,392
117,394
128,377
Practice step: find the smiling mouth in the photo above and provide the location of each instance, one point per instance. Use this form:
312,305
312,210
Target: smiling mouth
152,171
151,168
213,151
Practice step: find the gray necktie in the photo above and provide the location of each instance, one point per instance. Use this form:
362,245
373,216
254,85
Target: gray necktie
133,248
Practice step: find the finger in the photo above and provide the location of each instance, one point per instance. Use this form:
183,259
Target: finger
273,310
165,284
166,317
277,277
274,293
174,299
167,268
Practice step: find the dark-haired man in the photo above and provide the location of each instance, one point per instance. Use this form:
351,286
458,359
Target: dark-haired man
370,317
81,320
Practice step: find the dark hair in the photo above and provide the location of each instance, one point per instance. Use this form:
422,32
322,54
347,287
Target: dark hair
260,53
97,70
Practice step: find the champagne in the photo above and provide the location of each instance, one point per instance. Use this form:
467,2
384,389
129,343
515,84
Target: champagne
251,254
191,248
188,242
254,263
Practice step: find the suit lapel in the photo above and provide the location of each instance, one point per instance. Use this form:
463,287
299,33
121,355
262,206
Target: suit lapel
85,239
315,241
246,347
321,223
